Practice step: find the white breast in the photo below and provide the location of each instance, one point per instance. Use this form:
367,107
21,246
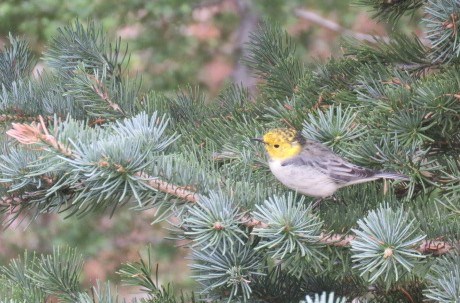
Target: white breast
303,179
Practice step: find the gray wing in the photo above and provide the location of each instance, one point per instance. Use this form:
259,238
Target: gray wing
320,157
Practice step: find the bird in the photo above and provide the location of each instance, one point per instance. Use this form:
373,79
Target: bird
311,168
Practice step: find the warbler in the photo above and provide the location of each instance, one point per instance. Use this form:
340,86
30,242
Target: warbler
311,168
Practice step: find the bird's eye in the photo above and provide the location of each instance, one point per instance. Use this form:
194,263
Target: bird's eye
276,145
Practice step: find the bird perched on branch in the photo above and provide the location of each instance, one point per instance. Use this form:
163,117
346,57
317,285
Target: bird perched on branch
311,168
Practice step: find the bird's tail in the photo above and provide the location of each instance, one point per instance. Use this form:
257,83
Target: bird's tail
391,175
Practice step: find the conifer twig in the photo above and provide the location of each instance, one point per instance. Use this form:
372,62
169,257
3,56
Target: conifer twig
36,133
336,239
435,247
101,90
180,192
20,117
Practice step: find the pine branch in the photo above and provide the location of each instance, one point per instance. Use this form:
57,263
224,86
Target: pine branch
35,133
100,94
16,62
216,270
271,55
76,45
38,278
22,118
443,280
140,274
96,160
392,10
404,52
372,107
426,247
442,23
38,133
181,192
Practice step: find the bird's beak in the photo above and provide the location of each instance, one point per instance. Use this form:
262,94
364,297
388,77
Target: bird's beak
258,140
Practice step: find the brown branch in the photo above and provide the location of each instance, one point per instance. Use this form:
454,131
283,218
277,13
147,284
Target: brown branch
426,247
332,26
335,27
33,133
21,117
249,221
248,24
101,90
435,247
336,239
181,192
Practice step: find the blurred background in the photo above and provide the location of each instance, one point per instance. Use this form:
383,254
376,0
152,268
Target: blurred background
172,43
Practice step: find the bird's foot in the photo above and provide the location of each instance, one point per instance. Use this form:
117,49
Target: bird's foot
315,204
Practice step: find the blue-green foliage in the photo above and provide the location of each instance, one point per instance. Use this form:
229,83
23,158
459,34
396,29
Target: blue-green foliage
391,106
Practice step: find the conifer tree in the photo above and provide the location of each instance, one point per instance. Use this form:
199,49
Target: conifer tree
82,138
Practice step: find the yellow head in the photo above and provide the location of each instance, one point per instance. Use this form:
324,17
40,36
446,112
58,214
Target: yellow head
282,143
